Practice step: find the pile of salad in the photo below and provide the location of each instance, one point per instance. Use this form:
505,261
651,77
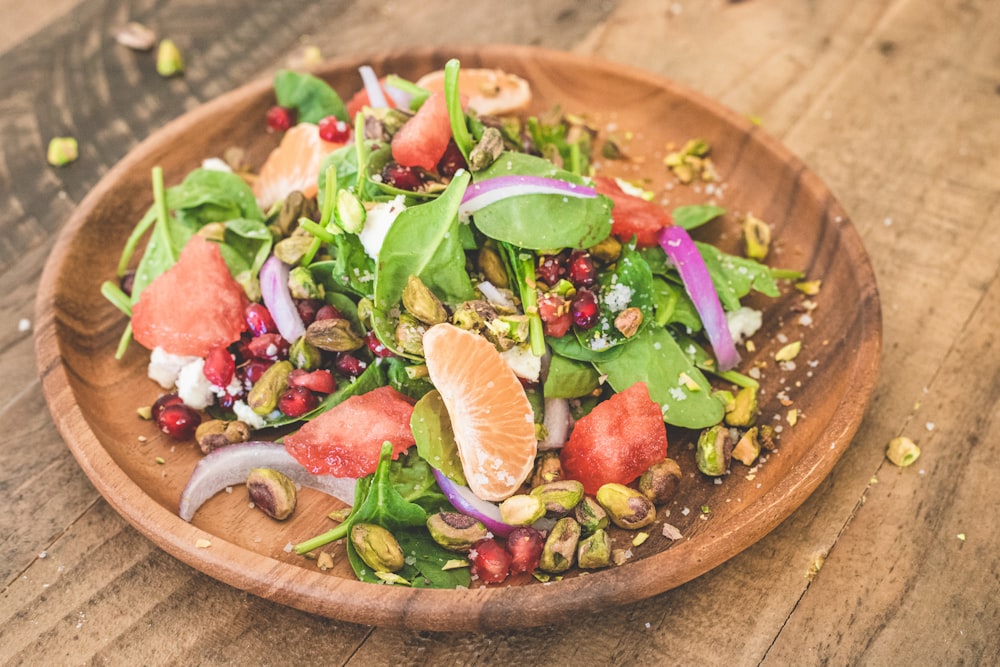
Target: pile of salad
300,307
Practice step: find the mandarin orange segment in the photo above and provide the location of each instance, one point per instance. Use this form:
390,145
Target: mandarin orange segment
490,413
490,92
293,165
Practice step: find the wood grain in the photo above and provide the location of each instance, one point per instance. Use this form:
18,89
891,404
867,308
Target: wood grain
893,103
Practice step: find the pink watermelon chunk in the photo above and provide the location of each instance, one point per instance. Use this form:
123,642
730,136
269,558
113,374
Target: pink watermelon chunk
346,440
423,139
193,306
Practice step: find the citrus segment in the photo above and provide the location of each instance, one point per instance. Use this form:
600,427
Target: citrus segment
490,92
293,165
193,306
490,413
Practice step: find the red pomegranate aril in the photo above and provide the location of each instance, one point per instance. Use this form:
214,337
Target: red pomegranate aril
334,130
259,319
451,161
280,118
490,561
376,346
127,281
525,547
556,318
268,347
308,309
550,269
404,178
220,367
253,371
349,365
582,272
584,309
162,402
328,312
297,401
320,380
178,421
225,400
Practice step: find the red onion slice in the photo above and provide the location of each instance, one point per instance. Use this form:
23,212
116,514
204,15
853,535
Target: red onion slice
376,97
682,251
274,292
482,194
229,466
466,502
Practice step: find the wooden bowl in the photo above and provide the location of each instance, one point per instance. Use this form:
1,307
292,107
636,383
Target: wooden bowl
93,398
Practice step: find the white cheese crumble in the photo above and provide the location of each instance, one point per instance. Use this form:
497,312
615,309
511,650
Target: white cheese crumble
524,364
165,367
743,323
246,415
216,164
378,222
193,387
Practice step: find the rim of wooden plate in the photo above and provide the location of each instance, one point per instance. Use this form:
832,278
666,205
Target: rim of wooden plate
478,608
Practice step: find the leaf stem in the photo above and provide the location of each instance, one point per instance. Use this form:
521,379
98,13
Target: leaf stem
455,114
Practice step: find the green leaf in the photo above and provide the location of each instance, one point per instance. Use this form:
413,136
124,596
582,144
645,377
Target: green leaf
414,479
569,222
351,270
654,357
736,276
431,427
568,378
372,378
570,347
673,305
247,246
429,559
400,380
630,285
311,97
690,217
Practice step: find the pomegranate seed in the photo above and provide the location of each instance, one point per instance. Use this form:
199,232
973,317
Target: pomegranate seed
259,319
550,269
584,309
320,381
297,401
280,119
307,309
178,421
490,562
220,367
226,400
376,346
253,370
268,347
349,365
333,130
404,178
328,312
127,281
555,315
162,402
525,547
582,272
451,161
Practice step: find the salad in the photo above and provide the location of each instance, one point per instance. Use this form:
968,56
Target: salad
434,307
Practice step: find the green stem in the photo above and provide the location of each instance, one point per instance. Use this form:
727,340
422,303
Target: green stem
418,94
123,342
133,240
529,300
117,297
736,378
314,543
455,114
321,235
786,274
162,215
319,231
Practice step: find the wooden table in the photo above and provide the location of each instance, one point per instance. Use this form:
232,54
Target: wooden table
895,104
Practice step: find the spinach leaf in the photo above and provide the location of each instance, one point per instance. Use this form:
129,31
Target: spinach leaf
569,222
350,271
630,285
208,195
736,276
690,217
401,380
571,348
568,378
706,362
654,357
246,246
435,438
414,479
429,559
373,174
673,305
311,97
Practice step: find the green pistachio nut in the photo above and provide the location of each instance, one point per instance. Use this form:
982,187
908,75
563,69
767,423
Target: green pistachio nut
455,531
305,356
213,231
263,397
365,308
302,285
488,149
169,61
902,451
590,515
410,335
561,497
294,207
560,546
714,450
62,151
473,315
210,435
594,551
291,250
548,468
626,507
660,481
490,264
756,238
333,335
420,302
766,437
522,510
272,493
351,212
607,251
747,449
377,547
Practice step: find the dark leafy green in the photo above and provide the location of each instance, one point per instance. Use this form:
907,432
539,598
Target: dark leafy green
568,378
690,217
350,271
428,559
400,378
431,427
312,98
629,285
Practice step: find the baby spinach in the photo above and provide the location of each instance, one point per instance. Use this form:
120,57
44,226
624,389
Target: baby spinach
414,480
401,380
629,285
568,378
429,559
682,391
209,195
570,347
673,305
734,277
350,270
690,217
312,98
540,221
435,438
246,246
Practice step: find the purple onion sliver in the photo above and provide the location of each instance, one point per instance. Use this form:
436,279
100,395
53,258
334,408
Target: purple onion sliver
376,98
229,466
462,498
278,300
682,251
490,191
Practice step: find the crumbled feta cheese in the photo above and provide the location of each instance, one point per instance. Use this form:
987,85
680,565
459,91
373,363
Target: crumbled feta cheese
617,297
165,367
378,222
246,415
524,364
743,323
193,387
215,164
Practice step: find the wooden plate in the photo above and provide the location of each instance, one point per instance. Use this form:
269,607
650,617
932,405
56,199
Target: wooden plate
93,398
